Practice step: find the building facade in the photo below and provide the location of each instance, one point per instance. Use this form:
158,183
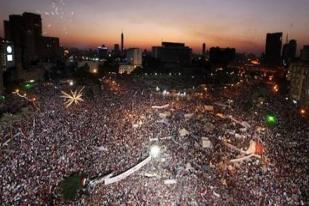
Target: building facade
7,60
273,49
289,52
102,52
173,53
134,57
31,47
116,51
305,53
223,56
126,69
298,75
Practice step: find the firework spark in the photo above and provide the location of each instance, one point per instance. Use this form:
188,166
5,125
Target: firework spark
75,97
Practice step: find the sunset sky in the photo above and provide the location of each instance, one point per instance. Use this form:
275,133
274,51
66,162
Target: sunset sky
242,24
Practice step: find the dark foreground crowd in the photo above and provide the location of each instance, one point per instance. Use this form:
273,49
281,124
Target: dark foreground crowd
113,129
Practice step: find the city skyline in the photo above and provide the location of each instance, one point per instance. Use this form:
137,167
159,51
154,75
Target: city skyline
226,24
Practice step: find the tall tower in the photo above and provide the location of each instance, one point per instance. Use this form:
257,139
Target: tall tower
204,49
122,42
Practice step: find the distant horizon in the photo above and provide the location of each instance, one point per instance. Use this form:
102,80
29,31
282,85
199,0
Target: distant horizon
239,24
194,51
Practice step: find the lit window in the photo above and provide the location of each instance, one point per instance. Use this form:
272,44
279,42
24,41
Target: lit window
10,57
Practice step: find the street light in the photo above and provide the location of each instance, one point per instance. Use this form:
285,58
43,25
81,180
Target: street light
302,112
276,88
95,70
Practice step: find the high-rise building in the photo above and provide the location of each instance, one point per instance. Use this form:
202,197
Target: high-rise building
298,76
289,52
122,43
223,56
273,49
204,50
25,31
172,53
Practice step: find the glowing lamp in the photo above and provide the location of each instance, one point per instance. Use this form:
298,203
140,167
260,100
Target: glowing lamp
276,88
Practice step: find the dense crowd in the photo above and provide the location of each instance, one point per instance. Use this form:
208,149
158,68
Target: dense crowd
114,127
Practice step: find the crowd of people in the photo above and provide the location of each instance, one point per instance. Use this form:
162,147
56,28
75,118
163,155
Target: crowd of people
112,130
